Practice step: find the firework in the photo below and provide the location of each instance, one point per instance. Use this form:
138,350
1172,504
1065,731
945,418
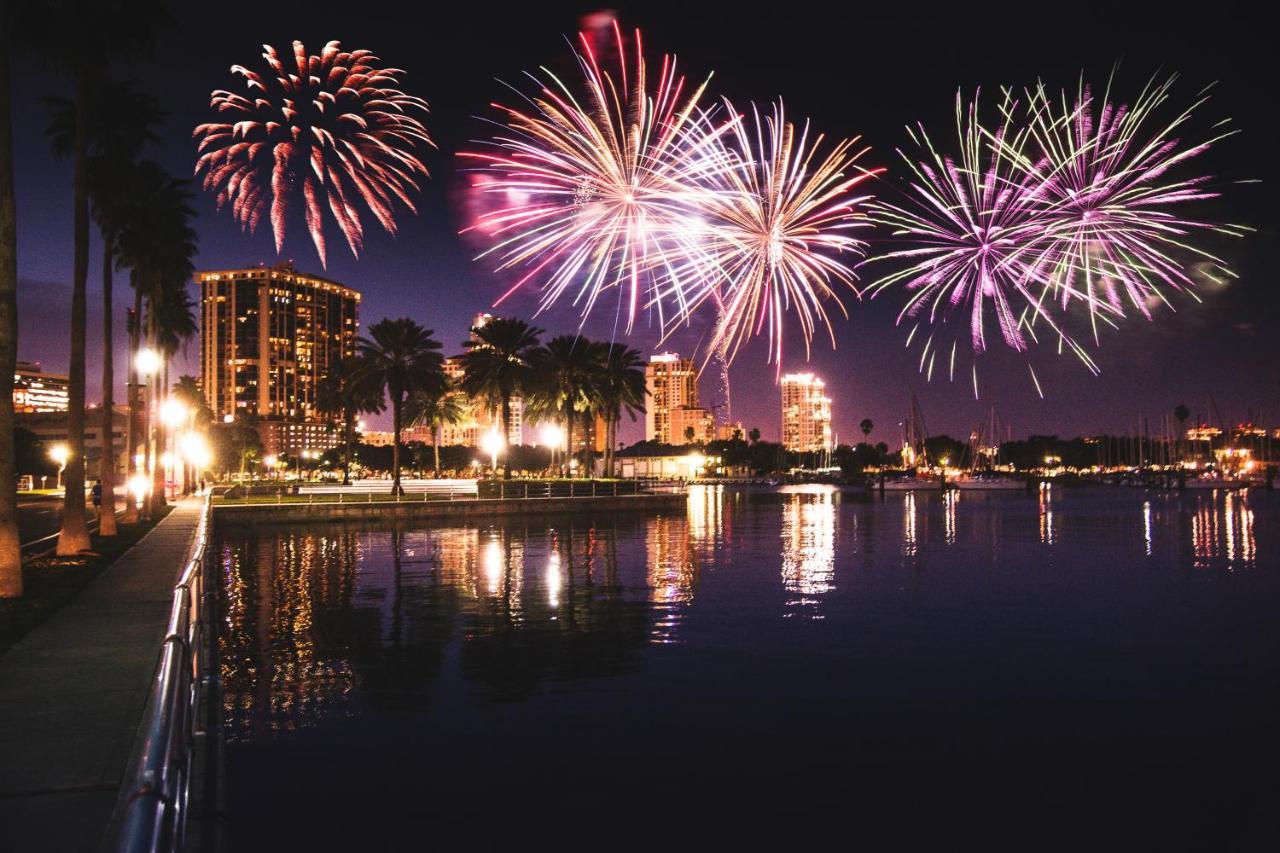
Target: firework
588,190
1065,209
775,230
331,130
973,228
1114,227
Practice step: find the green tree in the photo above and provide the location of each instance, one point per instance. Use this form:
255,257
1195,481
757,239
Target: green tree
401,357
83,41
121,122
343,395
866,426
620,388
568,369
158,245
435,411
499,364
754,435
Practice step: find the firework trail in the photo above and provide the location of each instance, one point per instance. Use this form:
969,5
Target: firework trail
589,190
331,130
775,225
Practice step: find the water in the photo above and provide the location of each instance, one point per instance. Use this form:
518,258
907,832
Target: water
1071,668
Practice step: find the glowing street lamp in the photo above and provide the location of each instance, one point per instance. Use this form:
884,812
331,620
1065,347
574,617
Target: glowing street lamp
173,412
492,443
148,362
60,453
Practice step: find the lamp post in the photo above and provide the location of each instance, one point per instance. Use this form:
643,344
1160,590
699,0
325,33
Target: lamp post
172,414
60,453
148,363
492,444
553,437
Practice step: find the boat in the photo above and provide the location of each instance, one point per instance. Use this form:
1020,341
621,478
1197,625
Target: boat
988,484
911,484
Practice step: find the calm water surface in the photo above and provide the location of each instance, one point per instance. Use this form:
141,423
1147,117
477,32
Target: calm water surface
1075,668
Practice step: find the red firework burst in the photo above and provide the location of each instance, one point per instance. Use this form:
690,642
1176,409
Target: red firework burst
331,128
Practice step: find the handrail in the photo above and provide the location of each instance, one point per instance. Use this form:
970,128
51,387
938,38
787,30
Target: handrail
151,814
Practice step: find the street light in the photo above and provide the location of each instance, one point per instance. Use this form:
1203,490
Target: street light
552,436
492,443
60,453
173,412
148,361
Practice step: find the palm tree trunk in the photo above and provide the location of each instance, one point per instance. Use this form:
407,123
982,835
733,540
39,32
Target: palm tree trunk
131,388
506,432
568,439
435,449
396,403
348,427
74,535
107,467
10,545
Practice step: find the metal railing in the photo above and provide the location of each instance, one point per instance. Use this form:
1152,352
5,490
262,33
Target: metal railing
467,491
151,814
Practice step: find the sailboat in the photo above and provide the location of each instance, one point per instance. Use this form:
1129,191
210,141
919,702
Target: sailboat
984,456
914,455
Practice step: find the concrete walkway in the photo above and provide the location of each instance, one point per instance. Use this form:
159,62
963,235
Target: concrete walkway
72,693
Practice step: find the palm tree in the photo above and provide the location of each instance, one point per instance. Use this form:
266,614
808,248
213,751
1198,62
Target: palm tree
122,121
568,369
620,387
754,435
86,37
499,365
1181,412
343,395
158,244
866,426
435,411
10,543
402,357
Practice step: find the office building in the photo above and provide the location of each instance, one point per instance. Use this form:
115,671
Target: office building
806,413
35,391
268,336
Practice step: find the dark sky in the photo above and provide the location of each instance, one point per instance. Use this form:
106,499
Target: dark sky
851,71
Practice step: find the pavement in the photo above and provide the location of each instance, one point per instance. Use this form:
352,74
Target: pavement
72,693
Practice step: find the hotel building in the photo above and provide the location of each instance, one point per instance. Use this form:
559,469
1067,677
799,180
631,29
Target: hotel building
806,413
671,404
268,336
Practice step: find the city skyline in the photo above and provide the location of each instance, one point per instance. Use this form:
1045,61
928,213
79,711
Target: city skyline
1205,355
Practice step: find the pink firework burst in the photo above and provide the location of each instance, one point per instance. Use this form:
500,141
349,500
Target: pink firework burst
333,130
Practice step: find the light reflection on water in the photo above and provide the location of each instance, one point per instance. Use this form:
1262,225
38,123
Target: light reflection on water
321,622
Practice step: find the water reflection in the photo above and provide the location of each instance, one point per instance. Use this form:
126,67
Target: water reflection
328,621
1048,533
808,547
909,545
1222,528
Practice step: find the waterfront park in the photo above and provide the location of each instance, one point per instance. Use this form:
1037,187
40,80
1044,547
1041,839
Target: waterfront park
503,435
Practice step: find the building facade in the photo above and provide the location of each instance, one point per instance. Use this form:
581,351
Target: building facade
51,429
671,383
806,413
35,391
268,336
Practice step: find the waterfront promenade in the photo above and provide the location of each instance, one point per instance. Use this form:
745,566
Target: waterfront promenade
73,691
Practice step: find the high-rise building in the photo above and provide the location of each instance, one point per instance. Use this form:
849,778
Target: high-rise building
672,385
478,417
806,413
37,391
268,336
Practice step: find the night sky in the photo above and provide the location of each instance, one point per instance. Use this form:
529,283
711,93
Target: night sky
851,72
